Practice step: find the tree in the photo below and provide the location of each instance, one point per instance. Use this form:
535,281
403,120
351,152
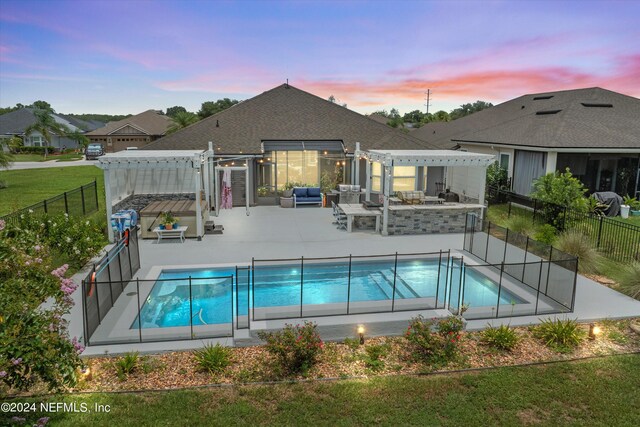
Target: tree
441,116
42,105
181,121
415,116
46,125
78,137
466,109
497,176
172,111
210,108
332,99
5,156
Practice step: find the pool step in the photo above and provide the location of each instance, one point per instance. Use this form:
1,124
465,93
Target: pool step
384,281
402,287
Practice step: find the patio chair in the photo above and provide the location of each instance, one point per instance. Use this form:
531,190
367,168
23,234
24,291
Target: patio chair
341,219
336,213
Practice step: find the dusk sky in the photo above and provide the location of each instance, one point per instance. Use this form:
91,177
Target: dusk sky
127,56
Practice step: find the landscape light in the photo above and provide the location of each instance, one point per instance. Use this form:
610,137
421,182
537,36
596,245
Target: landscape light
594,330
361,333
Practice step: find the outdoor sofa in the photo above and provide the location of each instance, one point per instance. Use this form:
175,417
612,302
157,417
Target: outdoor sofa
306,196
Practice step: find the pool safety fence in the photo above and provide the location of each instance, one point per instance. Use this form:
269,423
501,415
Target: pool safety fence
106,281
545,271
80,201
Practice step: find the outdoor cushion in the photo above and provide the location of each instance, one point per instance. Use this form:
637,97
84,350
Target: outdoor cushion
300,191
313,192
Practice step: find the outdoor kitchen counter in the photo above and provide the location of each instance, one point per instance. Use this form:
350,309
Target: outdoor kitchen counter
430,219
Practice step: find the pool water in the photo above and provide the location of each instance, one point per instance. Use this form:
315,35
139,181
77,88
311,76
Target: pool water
213,297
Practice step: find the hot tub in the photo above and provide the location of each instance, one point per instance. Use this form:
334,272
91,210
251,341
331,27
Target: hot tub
151,216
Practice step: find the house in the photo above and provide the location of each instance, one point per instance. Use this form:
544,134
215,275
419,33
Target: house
135,131
287,136
594,132
16,122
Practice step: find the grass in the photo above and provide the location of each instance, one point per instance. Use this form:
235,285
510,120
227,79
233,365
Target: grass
29,186
40,158
593,392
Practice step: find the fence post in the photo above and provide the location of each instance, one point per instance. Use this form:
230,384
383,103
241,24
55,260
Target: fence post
463,283
506,240
84,209
44,203
599,232
535,210
253,292
66,203
539,284
524,266
301,283
237,300
85,328
546,287
509,213
438,282
395,272
190,310
486,251
349,285
499,288
95,190
139,316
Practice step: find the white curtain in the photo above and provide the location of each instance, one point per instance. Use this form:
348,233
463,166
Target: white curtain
529,165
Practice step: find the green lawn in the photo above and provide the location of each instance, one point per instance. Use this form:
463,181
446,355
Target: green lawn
596,392
29,186
40,158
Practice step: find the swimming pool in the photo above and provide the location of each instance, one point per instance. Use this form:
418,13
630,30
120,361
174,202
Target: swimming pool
212,297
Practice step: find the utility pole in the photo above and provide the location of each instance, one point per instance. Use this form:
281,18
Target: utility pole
427,99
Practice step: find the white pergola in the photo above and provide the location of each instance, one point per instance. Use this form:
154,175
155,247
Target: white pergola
155,172
471,182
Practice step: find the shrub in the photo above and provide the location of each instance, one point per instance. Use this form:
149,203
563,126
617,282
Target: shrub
296,347
502,337
35,345
437,347
35,150
127,364
561,335
213,358
374,354
561,189
497,176
546,234
352,343
629,280
575,243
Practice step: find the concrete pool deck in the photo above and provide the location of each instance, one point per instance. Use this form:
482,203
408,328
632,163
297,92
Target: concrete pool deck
272,232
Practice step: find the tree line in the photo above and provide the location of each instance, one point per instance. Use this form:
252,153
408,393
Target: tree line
417,118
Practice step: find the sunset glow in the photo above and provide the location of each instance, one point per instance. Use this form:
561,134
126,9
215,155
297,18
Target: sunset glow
128,56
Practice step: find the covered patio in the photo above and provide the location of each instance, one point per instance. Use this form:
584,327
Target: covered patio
133,178
465,175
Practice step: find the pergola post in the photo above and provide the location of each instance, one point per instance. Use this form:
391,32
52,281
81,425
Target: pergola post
198,178
367,169
387,173
108,207
356,159
247,185
483,184
207,186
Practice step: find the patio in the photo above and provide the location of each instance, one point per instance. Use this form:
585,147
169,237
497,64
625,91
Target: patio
273,232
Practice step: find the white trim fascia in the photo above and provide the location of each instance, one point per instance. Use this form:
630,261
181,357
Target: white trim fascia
547,149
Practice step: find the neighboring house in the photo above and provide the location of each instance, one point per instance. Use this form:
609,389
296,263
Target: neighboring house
379,118
594,132
287,135
135,131
15,123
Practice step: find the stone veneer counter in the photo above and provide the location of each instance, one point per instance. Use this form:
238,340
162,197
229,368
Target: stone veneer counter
430,219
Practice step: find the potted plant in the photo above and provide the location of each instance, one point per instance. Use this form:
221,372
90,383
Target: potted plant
169,222
631,206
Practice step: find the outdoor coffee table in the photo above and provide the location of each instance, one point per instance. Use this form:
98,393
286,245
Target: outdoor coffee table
174,233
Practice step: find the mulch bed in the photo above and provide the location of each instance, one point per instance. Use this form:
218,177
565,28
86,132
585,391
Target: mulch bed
338,360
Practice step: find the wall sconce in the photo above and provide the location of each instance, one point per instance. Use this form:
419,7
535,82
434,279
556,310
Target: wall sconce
361,333
594,330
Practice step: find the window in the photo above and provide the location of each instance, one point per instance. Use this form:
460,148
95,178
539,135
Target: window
404,178
300,167
504,161
37,141
376,177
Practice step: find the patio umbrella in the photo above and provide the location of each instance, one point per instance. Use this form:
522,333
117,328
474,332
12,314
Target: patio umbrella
227,197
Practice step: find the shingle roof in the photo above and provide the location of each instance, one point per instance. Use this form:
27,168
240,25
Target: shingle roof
579,118
15,122
86,125
285,113
150,121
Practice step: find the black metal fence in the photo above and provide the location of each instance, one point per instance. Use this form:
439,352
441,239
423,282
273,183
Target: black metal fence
549,275
617,240
106,281
79,201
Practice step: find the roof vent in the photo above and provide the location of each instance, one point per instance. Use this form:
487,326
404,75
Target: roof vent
596,105
547,112
538,98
